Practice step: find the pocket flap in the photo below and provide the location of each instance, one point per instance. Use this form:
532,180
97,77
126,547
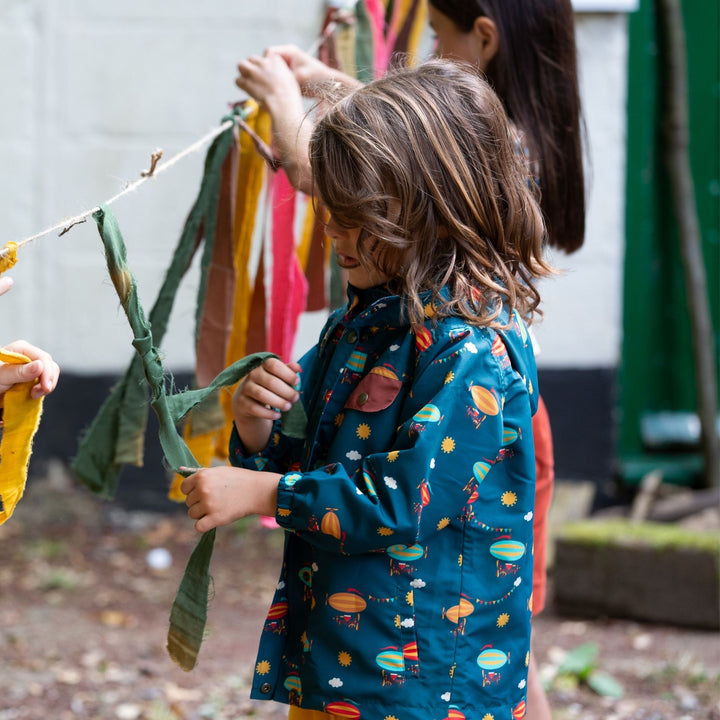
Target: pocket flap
374,392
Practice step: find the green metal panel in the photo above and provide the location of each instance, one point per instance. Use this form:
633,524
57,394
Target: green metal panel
657,367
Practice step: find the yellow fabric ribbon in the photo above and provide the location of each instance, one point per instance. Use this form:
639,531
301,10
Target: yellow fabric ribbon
251,177
9,256
21,417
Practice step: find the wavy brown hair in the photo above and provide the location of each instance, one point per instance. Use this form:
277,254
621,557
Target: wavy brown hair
535,74
423,160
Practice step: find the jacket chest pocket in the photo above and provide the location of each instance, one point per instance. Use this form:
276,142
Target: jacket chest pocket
375,392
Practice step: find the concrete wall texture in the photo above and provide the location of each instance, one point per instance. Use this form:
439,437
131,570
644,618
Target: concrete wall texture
91,89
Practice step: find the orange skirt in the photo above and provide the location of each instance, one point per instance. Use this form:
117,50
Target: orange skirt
544,482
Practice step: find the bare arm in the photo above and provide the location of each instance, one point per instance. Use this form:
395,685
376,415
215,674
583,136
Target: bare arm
270,81
278,80
220,495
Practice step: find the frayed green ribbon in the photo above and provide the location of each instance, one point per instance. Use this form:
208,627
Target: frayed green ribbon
189,611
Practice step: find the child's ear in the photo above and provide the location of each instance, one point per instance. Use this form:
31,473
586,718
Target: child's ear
487,40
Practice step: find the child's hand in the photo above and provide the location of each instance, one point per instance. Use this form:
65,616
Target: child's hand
43,368
267,391
221,495
5,284
258,401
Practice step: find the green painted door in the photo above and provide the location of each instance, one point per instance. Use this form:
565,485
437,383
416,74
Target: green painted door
656,367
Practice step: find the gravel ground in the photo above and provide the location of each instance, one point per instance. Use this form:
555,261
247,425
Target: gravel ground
83,623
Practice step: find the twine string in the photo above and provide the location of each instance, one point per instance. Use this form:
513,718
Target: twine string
156,167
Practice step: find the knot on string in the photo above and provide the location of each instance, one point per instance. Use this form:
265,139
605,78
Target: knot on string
8,256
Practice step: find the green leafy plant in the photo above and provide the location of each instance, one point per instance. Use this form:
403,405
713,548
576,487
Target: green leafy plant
580,666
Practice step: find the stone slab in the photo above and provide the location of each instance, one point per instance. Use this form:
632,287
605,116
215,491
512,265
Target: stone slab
626,577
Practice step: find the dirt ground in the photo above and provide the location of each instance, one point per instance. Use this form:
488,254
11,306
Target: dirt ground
83,623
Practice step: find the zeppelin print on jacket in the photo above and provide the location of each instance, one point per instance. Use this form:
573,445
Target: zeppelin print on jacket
405,591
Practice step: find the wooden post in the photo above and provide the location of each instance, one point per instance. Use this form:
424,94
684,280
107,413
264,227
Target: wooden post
676,135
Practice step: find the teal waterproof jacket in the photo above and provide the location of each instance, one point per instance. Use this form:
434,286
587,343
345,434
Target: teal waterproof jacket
405,591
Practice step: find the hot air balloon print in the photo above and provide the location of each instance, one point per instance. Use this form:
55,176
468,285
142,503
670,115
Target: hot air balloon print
385,370
507,549
402,558
392,665
356,361
425,493
498,347
457,614
412,659
293,685
510,435
455,713
423,339
330,525
481,469
343,709
349,605
490,661
275,620
500,352
428,414
369,483
519,710
291,478
485,400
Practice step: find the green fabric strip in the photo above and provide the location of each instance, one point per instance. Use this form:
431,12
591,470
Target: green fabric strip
116,435
364,52
189,611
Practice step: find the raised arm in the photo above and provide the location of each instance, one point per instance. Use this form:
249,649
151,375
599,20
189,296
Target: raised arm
270,81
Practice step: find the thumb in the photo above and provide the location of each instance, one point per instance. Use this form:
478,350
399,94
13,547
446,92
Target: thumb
12,374
31,370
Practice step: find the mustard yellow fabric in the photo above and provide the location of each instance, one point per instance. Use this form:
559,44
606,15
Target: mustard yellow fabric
9,257
21,417
297,713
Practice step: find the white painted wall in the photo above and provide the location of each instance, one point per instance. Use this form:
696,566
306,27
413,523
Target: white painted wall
583,306
91,88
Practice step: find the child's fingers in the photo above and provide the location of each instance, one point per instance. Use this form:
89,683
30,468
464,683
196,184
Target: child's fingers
260,401
287,372
188,484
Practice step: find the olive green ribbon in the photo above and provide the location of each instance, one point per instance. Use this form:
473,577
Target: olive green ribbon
116,435
189,611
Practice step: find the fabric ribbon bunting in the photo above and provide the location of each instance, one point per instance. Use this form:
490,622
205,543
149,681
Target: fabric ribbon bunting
116,435
189,611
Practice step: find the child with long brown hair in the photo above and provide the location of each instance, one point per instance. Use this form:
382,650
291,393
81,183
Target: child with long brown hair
526,49
404,472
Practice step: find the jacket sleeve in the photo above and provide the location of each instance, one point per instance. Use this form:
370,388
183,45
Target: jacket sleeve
465,408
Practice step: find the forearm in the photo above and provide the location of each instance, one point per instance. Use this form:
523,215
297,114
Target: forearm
292,129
